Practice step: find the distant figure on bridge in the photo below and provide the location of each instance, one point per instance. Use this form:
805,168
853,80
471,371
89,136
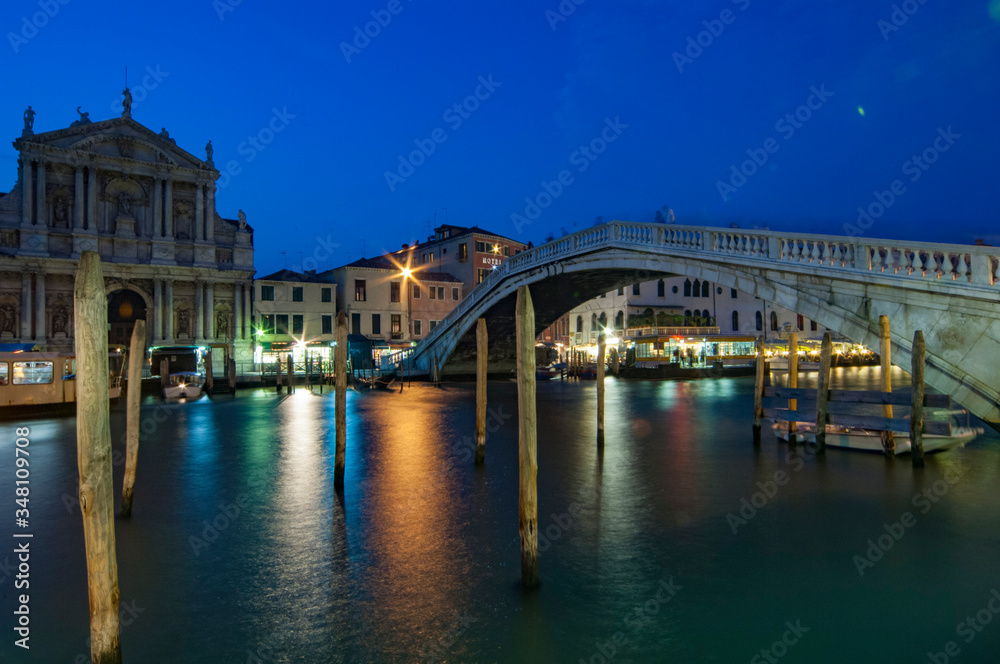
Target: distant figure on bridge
664,216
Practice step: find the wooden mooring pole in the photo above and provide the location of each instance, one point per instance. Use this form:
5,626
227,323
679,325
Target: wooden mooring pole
527,437
291,375
885,355
209,372
164,372
758,392
93,440
601,351
482,353
793,380
917,412
232,375
136,355
277,376
340,399
823,393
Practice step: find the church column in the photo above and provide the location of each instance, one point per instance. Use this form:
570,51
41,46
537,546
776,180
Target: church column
199,213
42,209
168,318
92,198
40,307
27,191
210,310
168,211
157,308
199,309
247,313
237,332
25,306
78,204
210,214
157,207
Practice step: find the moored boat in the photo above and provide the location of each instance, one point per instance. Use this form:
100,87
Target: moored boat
184,385
868,440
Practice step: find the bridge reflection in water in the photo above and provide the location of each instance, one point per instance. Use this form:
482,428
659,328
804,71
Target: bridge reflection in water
420,558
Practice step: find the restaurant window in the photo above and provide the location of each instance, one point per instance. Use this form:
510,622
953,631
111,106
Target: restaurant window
687,288
297,324
454,293
813,326
376,324
296,293
463,252
396,322
327,324
281,324
4,373
416,292
579,324
760,322
481,247
416,327
32,373
355,323
661,288
736,321
636,289
327,294
774,322
360,291
267,324
394,291
267,293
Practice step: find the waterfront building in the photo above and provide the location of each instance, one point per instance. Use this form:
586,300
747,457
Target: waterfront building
371,292
295,314
147,206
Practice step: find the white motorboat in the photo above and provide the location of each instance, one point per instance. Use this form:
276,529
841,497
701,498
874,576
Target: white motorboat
184,385
871,441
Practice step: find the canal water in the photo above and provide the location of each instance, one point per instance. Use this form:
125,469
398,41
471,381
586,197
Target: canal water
678,543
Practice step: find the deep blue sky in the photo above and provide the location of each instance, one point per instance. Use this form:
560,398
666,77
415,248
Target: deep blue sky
324,174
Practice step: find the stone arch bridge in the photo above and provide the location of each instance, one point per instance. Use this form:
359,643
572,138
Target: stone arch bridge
951,292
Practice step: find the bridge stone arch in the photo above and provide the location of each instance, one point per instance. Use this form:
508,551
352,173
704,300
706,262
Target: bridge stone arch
951,292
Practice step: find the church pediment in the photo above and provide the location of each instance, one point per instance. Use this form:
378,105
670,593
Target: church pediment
118,138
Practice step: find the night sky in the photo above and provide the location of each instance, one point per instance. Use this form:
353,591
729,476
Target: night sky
884,84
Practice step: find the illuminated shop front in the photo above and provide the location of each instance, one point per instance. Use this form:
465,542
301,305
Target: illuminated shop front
695,351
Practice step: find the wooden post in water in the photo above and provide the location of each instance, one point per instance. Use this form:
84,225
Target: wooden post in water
340,400
527,437
291,375
758,392
232,375
93,440
277,376
136,354
322,374
823,393
885,354
482,353
793,380
308,380
917,412
164,371
601,351
209,372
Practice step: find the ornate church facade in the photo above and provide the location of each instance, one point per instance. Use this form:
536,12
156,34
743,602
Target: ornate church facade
147,207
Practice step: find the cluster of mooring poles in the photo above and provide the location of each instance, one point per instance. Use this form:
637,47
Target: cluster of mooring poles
886,425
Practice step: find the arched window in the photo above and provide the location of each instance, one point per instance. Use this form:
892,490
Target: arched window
579,324
774,322
706,289
760,322
620,320
697,288
705,314
661,289
800,323
687,288
593,322
736,321
687,313
603,320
